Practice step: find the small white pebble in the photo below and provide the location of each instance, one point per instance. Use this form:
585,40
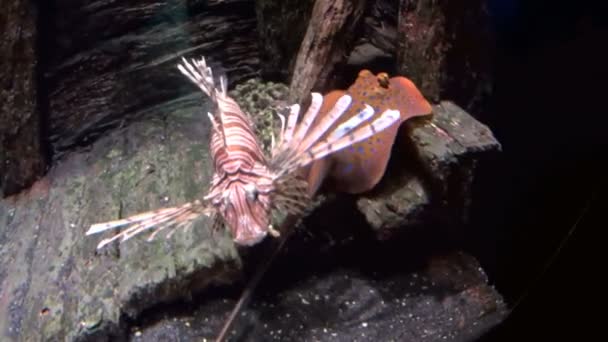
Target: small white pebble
364,324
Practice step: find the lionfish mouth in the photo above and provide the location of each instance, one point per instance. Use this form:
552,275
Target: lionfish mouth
249,237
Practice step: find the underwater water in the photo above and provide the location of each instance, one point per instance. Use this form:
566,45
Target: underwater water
546,188
460,240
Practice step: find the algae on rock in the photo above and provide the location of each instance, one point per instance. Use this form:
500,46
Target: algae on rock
263,101
56,286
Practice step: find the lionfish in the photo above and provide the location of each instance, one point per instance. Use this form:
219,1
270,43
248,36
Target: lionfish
246,185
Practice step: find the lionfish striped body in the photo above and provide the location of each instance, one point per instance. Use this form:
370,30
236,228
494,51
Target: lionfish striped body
242,184
247,185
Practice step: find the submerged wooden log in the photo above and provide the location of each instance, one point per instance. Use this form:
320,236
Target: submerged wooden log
281,26
329,35
22,155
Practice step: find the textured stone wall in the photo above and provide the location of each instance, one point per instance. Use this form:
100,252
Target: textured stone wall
22,155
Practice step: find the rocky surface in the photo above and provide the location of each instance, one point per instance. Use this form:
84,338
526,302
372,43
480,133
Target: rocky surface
22,155
443,299
431,171
53,283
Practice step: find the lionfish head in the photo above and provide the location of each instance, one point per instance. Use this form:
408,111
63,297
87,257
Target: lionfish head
245,209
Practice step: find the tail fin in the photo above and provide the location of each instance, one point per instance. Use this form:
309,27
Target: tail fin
326,122
297,137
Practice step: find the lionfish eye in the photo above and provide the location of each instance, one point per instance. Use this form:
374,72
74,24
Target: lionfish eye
251,192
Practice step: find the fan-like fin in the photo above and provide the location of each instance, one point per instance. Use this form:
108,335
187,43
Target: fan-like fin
308,119
157,219
325,123
388,118
200,74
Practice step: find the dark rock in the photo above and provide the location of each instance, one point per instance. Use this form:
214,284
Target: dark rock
281,28
22,157
380,26
375,47
446,49
436,169
444,299
111,62
365,55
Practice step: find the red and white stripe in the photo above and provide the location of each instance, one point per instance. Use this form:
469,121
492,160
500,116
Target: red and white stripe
238,159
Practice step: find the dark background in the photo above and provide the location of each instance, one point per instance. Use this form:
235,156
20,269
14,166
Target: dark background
549,113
